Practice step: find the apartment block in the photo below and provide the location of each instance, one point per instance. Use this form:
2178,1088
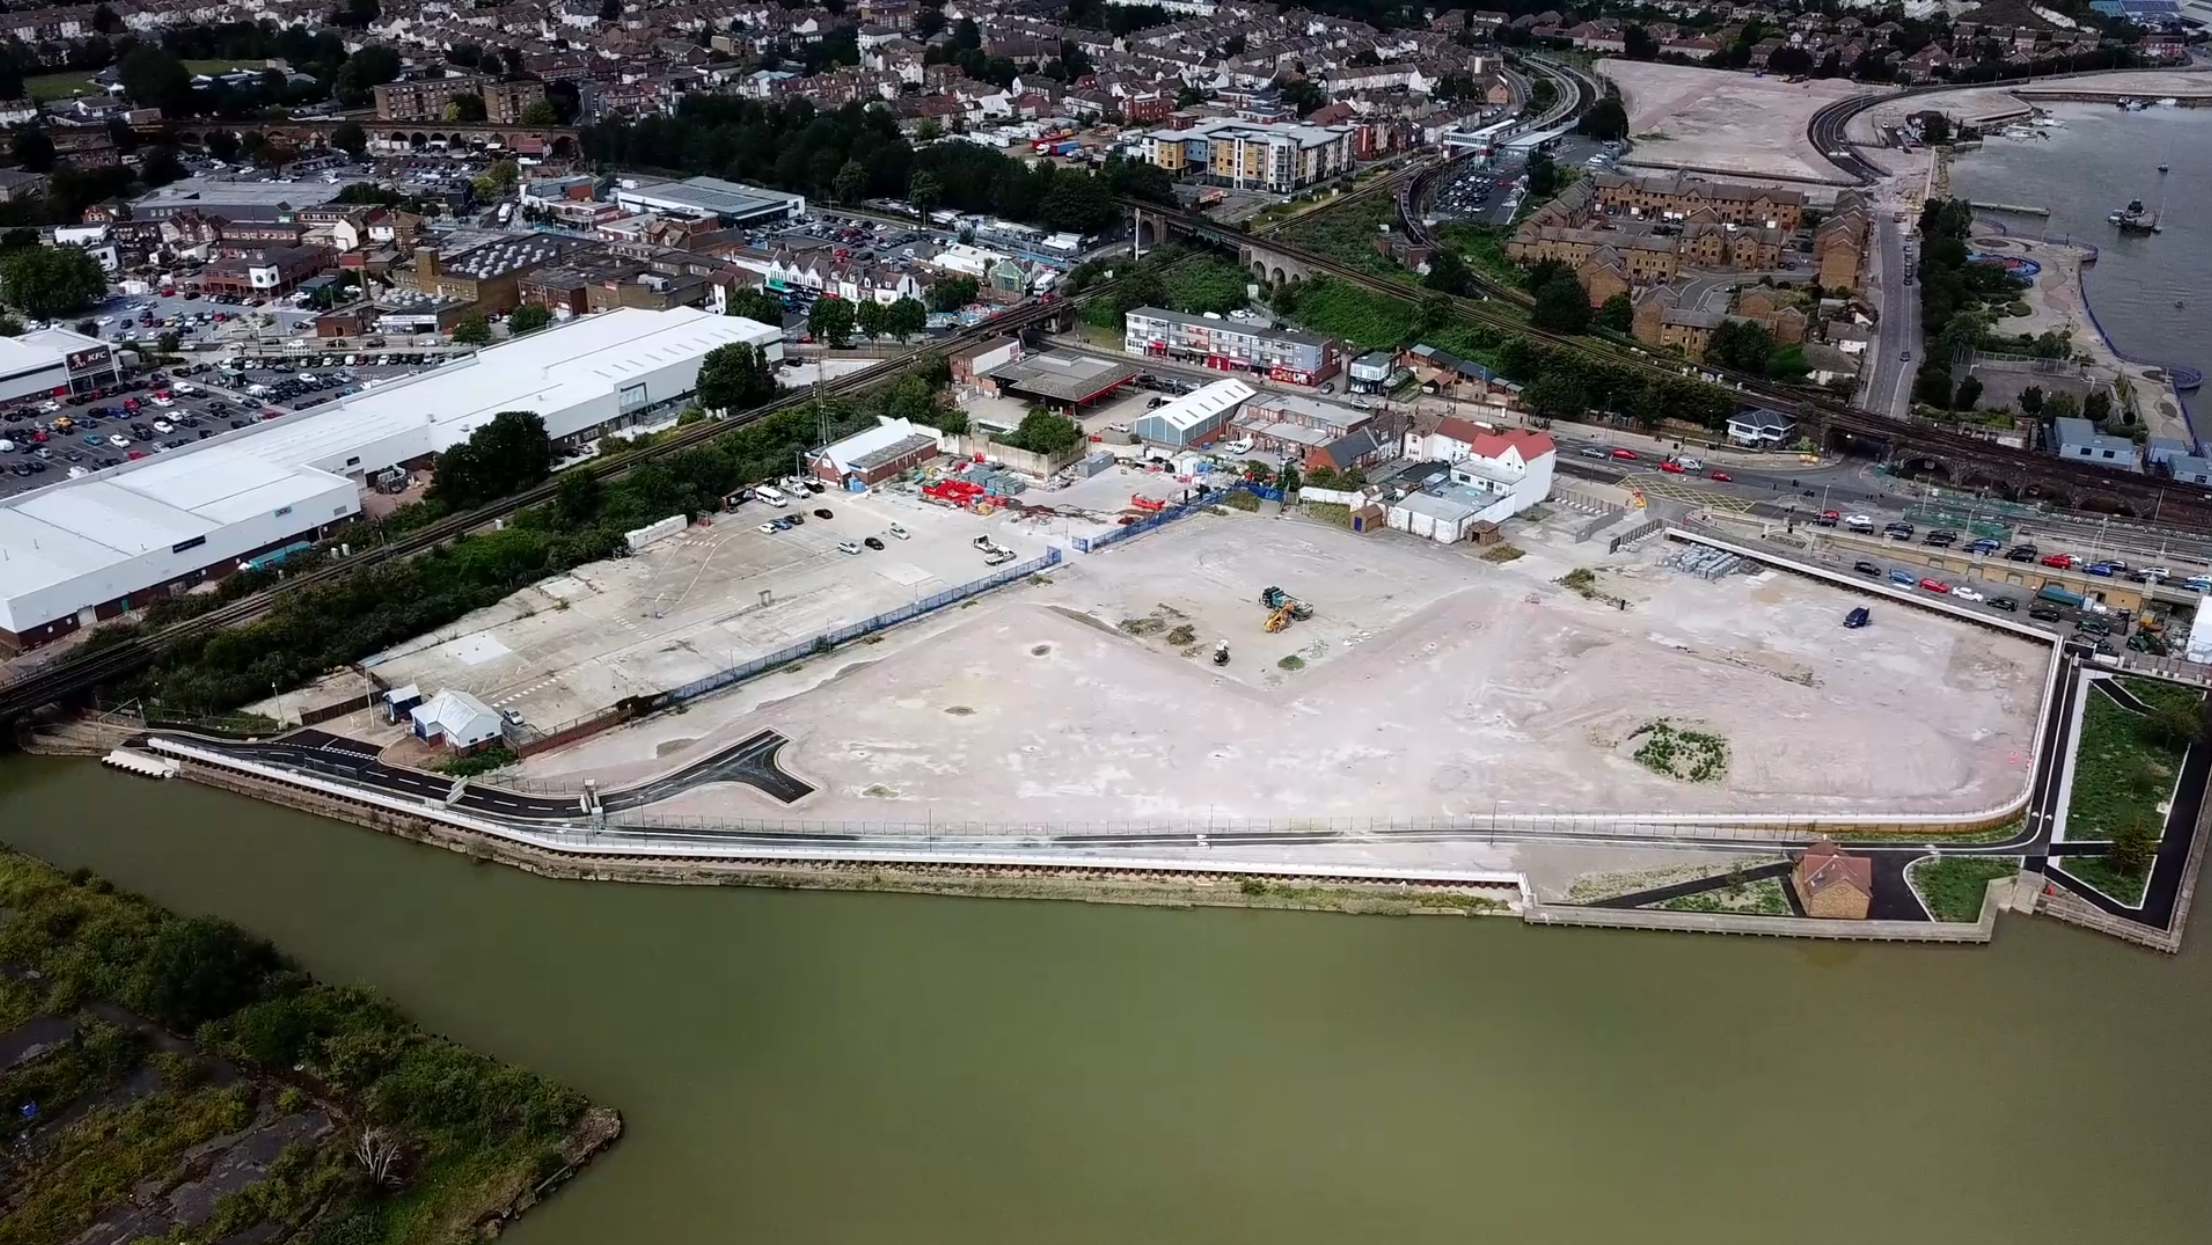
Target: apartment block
425,99
1275,156
1230,345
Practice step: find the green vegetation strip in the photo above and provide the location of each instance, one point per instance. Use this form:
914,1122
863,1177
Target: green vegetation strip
1953,887
1763,897
2125,885
2127,763
426,1141
1679,752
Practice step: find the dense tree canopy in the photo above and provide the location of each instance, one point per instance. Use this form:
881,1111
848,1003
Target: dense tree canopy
52,281
735,377
502,458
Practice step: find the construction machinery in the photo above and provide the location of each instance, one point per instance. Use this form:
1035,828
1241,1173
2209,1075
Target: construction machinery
1284,608
1221,654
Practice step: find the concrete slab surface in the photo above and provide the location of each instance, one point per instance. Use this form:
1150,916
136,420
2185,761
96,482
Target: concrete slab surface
1429,683
1719,121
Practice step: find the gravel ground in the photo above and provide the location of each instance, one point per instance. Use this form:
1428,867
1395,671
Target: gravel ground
1433,685
1719,121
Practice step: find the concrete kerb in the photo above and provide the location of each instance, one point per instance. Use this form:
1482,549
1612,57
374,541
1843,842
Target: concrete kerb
579,840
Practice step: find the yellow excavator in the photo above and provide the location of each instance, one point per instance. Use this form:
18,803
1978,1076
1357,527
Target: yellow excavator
1283,608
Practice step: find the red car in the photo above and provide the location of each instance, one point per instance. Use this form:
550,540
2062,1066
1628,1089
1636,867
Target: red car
2063,561
1934,585
1722,476
1629,455
1670,466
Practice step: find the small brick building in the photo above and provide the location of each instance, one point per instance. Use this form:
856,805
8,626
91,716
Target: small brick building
1832,885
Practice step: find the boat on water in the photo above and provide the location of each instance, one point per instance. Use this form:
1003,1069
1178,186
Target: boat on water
2135,218
2162,168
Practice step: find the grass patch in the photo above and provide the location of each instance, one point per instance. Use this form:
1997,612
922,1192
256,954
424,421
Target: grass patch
46,88
1238,499
1330,512
1953,886
1143,626
2098,872
1348,234
495,757
1344,899
1678,752
1763,897
1182,634
2124,769
1502,554
1483,247
1292,662
1582,581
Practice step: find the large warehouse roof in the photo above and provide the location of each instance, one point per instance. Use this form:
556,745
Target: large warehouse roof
56,535
547,372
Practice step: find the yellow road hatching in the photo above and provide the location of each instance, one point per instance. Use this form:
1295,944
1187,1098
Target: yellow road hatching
1674,489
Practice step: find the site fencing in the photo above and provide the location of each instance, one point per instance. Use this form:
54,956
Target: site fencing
1204,501
830,639
1224,832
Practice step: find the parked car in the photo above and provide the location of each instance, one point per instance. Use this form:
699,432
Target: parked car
1587,451
823,514
846,546
2043,613
873,542
1866,568
1964,593
899,532
2007,604
2103,570
2063,561
1670,466
1983,545
1858,523
1902,578
1625,454
2021,553
1930,584
1858,618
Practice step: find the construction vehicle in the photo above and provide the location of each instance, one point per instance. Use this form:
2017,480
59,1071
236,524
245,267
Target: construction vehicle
1277,599
1221,653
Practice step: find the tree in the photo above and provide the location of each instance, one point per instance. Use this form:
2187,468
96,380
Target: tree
924,191
1967,394
473,330
905,318
2031,401
465,109
1557,394
160,166
505,456
1617,313
540,112
1562,305
528,318
53,281
1935,128
759,306
851,184
2062,405
1448,272
952,293
610,10
1933,385
868,317
736,377
928,129
830,320
154,79
1288,480
377,1150
1740,344
1045,432
33,150
363,71
199,969
2134,847
1607,120
1543,174
2097,407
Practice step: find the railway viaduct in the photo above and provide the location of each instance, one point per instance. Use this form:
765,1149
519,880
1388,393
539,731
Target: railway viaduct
557,142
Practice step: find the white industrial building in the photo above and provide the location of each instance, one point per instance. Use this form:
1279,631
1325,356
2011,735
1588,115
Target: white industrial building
1192,418
101,546
52,362
1489,477
97,547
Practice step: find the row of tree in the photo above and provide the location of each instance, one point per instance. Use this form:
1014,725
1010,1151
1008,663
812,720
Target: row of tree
857,152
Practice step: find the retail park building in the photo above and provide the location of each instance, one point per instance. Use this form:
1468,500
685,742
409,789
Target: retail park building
95,548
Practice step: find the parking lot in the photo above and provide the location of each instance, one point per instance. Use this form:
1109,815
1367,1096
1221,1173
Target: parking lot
46,440
1488,192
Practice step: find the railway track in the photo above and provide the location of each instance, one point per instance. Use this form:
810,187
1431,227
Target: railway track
2178,508
93,667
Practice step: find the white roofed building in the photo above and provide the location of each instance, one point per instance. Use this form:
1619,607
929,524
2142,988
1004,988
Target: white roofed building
83,550
1195,417
875,454
460,720
99,547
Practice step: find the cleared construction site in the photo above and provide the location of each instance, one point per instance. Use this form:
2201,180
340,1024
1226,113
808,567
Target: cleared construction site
1423,681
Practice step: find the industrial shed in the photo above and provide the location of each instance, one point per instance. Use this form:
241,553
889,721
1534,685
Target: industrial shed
95,548
876,454
1195,417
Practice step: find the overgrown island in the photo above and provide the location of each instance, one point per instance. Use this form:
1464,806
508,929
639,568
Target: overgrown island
178,1080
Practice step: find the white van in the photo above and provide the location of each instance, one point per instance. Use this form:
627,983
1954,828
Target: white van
772,495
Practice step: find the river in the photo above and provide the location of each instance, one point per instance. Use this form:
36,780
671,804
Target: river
857,1069
2096,160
